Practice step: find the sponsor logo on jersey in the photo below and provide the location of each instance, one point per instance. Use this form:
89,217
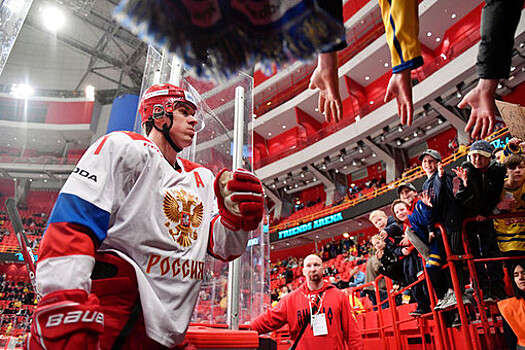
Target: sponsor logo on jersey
85,174
185,211
181,268
75,317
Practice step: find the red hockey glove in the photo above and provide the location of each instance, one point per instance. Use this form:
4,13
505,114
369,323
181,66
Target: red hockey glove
67,319
240,198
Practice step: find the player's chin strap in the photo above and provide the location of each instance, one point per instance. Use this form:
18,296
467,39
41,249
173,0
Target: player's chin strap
166,132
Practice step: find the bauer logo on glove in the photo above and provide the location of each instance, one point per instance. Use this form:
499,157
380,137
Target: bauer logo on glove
240,199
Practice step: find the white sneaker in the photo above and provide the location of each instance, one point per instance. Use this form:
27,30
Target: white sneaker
444,300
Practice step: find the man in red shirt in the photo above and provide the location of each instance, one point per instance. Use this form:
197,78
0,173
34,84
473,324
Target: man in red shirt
324,308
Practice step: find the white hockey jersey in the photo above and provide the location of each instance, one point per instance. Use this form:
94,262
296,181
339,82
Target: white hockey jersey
160,220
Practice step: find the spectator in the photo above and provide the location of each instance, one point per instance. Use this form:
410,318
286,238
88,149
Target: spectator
412,263
408,194
312,301
480,188
441,207
510,232
513,309
357,277
373,266
386,226
391,266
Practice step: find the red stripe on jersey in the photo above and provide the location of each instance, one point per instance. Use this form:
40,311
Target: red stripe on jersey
210,239
64,238
188,165
135,136
104,139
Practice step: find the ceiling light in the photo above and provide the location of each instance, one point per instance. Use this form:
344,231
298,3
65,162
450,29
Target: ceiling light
371,102
302,175
323,166
284,181
429,33
316,109
296,185
22,91
500,86
374,154
273,185
438,40
440,121
453,16
360,149
386,65
314,179
382,138
428,127
367,78
400,128
398,142
458,94
346,235
268,103
415,133
90,92
354,163
53,18
341,158
336,171
269,134
284,126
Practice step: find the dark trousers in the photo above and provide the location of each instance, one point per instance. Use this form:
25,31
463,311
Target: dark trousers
483,244
412,265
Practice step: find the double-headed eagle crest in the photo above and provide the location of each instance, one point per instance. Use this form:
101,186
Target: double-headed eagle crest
185,219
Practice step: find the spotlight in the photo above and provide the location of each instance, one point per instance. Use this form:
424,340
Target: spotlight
22,91
53,18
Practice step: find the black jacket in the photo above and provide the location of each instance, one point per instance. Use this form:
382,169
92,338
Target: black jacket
445,210
483,189
499,20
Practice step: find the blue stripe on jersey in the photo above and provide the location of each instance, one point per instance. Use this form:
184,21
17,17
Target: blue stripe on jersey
412,64
397,45
71,208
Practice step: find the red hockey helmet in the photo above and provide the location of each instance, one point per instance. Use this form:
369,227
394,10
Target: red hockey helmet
165,95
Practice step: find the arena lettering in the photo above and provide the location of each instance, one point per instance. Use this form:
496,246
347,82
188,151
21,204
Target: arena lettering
85,173
295,230
75,317
181,268
328,220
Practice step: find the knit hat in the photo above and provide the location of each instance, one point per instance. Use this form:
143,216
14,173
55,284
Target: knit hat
482,147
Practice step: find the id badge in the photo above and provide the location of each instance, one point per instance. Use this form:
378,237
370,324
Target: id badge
319,325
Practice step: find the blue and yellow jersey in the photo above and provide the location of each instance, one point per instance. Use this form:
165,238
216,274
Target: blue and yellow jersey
401,21
510,232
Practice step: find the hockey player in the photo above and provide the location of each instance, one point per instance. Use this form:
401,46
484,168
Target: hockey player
122,258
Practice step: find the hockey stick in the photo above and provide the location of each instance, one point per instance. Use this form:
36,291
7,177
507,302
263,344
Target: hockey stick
14,216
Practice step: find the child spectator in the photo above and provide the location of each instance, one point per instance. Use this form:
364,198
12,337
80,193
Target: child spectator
510,232
408,194
387,226
440,207
479,191
412,264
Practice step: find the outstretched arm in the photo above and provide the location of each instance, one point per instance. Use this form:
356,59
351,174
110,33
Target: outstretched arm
401,22
325,79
